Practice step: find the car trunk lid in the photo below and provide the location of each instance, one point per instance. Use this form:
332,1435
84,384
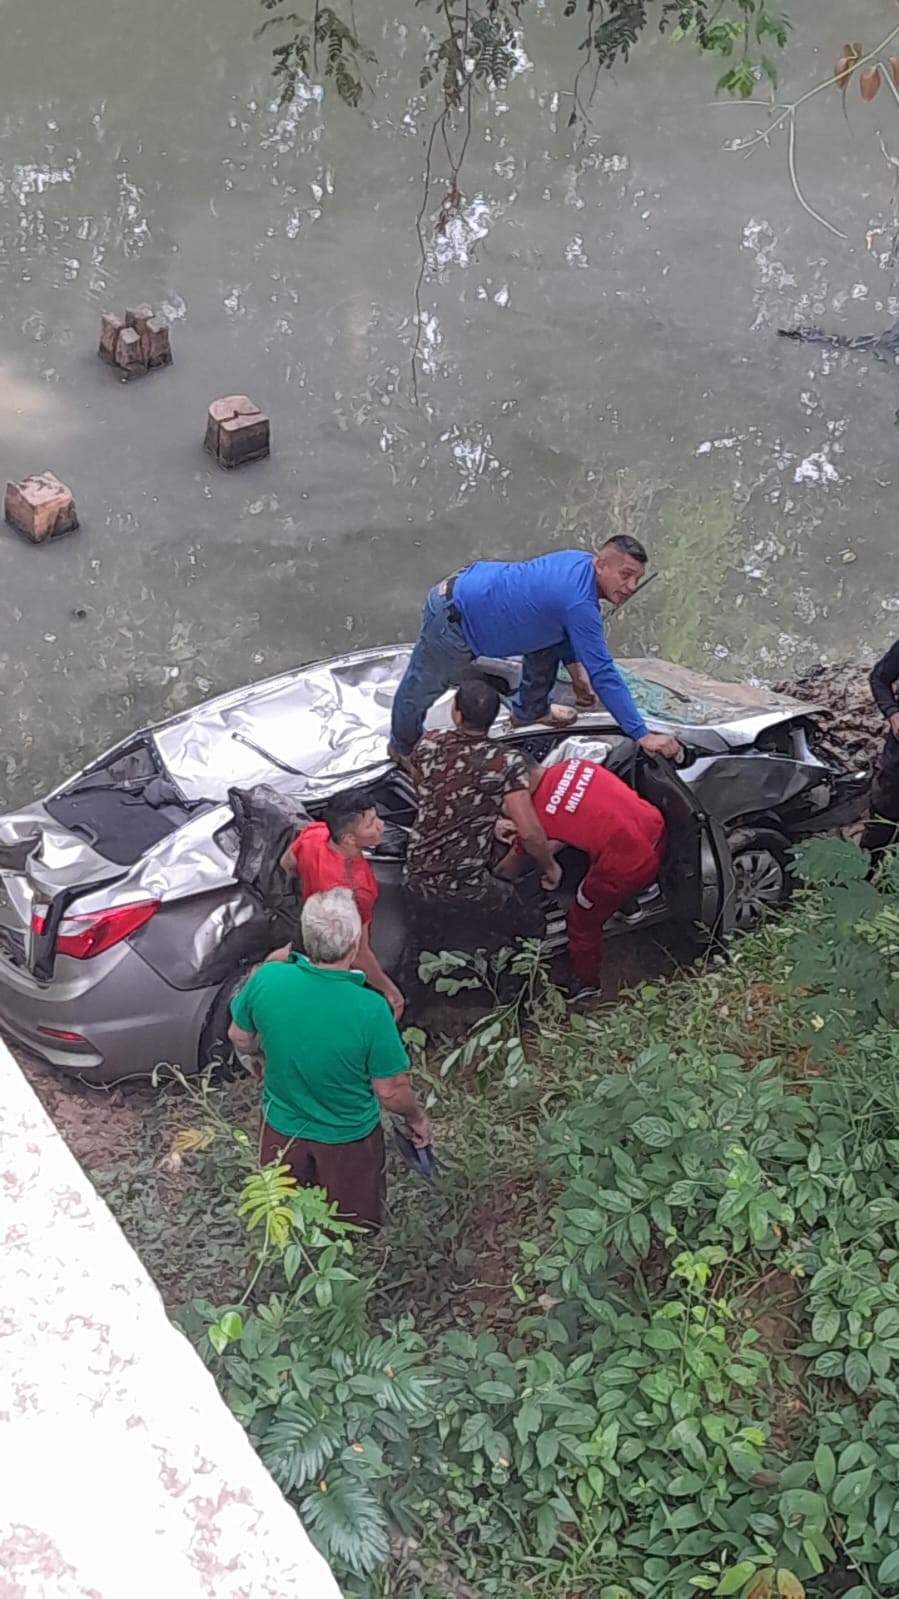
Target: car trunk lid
58,869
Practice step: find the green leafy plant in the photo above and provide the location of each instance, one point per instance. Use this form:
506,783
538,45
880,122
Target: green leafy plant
688,1383
330,1403
522,991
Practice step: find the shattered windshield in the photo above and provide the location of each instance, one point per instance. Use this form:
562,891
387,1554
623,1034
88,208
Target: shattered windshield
674,694
667,705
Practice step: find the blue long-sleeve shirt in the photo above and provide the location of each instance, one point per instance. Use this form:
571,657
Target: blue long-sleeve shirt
515,607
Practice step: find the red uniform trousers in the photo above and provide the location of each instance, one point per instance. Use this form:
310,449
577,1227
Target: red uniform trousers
610,880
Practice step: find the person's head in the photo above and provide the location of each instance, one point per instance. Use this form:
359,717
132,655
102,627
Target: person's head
475,706
619,566
353,822
331,927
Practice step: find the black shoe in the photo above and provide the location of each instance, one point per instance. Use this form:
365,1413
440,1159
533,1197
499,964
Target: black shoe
575,989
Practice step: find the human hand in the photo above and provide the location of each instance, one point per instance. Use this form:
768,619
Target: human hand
281,954
552,877
659,744
584,696
894,724
505,832
420,1129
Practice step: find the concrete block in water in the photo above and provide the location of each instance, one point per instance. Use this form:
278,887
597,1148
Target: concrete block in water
137,343
237,431
137,316
110,328
128,357
155,342
40,507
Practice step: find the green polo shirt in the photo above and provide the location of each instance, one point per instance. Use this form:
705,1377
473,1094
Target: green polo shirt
324,1036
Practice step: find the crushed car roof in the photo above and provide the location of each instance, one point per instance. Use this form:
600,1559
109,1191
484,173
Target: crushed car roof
326,726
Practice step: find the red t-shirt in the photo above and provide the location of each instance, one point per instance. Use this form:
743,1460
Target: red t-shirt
581,804
320,867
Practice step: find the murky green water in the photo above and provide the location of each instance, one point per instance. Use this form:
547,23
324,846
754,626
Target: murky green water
599,344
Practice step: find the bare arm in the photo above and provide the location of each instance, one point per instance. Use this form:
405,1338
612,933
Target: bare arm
519,808
377,977
247,1046
395,1095
288,862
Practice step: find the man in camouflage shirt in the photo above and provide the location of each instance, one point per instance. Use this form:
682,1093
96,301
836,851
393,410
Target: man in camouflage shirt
466,781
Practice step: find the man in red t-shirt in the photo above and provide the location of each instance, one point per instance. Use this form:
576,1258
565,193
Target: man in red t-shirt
330,854
580,804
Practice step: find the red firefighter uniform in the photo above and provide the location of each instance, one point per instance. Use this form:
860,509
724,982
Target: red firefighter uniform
583,805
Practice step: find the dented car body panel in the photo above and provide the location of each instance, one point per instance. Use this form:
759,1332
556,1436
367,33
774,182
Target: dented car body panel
155,826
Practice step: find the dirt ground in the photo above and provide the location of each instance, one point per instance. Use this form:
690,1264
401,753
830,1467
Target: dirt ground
103,1127
99,1125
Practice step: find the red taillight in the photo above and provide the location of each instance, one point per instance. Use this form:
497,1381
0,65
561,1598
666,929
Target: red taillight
84,936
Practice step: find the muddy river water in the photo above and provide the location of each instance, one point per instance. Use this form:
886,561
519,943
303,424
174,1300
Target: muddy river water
599,353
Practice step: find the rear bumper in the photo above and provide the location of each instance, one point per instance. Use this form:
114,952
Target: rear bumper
129,1019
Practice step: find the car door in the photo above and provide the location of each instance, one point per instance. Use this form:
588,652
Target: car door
697,877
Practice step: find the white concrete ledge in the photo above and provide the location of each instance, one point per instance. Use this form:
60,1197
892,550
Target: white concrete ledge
121,1470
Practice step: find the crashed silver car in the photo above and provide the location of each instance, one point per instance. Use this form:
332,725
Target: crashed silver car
134,898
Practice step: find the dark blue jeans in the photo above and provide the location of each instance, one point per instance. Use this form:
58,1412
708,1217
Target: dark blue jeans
438,662
539,671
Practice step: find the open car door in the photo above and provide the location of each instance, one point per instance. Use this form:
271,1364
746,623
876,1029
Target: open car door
697,877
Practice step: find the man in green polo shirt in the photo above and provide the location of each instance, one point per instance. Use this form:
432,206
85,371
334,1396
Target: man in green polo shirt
331,1059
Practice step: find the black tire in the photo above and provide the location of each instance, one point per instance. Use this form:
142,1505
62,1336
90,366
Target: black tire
216,1052
761,863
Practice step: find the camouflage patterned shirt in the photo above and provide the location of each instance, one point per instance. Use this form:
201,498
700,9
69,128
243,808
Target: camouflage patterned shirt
462,779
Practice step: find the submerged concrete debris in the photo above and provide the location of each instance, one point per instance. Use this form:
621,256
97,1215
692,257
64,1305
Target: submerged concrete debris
40,507
137,343
237,431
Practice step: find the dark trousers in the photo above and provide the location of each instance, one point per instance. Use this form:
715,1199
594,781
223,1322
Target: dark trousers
354,1176
438,662
883,827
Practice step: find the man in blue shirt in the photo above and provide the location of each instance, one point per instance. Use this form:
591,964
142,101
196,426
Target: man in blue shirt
546,610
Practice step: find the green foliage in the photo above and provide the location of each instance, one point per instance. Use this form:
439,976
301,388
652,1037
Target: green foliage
332,1407
624,1423
476,44
845,963
324,43
522,992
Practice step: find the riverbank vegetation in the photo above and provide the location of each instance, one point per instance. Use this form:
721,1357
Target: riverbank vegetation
640,1336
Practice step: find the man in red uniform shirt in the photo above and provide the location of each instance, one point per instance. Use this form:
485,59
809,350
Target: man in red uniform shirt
582,805
330,854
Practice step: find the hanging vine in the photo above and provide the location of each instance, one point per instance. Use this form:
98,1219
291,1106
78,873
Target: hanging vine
474,45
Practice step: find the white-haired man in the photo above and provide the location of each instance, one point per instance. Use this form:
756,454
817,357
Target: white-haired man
331,1059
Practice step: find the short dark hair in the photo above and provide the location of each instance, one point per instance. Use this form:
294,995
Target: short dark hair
627,546
477,703
343,812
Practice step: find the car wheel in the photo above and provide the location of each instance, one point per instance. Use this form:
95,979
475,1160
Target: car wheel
216,1052
762,880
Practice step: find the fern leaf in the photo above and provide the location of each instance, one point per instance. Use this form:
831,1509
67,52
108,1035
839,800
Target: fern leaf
298,1445
347,1523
